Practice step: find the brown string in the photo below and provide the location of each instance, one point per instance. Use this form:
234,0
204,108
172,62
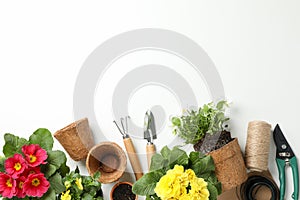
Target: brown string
258,145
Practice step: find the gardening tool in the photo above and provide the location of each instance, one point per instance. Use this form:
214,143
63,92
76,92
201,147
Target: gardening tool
285,156
149,135
133,158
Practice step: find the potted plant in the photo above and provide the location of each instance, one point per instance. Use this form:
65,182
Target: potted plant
81,187
30,169
122,191
206,130
176,175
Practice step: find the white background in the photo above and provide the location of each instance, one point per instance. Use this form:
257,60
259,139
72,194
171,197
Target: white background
255,46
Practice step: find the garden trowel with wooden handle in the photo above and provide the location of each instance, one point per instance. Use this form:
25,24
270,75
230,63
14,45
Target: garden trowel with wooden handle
149,135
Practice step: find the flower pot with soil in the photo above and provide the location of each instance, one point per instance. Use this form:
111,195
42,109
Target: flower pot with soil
122,191
206,130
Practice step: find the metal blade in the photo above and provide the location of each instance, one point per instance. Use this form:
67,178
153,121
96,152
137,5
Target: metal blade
149,127
283,149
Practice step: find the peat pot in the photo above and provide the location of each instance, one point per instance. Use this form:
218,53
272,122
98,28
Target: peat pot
230,166
76,138
109,159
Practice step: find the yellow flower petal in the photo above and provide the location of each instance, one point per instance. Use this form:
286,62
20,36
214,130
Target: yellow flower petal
78,183
66,195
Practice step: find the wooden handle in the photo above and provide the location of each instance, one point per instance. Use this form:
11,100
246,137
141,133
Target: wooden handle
150,149
133,158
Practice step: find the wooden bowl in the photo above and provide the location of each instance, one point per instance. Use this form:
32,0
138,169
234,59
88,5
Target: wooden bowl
109,159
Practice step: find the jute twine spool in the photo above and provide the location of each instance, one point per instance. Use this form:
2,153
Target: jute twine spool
258,145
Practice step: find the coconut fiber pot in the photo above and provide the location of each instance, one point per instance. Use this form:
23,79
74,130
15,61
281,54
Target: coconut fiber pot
230,166
76,138
109,159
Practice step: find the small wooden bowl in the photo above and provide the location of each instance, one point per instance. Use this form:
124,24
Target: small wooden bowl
109,159
116,186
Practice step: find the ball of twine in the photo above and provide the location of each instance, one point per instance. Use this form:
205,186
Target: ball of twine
258,145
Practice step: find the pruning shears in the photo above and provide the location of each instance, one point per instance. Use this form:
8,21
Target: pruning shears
285,156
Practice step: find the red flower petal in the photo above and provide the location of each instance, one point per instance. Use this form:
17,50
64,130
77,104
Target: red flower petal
15,165
20,193
34,155
36,185
7,185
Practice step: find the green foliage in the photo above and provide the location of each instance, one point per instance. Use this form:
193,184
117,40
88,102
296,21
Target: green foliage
13,144
43,137
2,159
193,126
202,165
91,187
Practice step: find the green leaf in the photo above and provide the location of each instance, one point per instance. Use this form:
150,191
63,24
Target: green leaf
165,152
56,183
64,169
43,137
179,157
213,192
157,162
195,157
49,195
96,175
145,185
204,167
2,160
13,144
48,169
56,161
87,196
176,121
56,158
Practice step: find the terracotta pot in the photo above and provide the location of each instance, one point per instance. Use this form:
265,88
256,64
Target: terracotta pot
118,185
109,159
76,138
230,166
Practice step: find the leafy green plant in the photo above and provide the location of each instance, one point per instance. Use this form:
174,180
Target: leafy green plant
161,164
82,187
54,167
193,125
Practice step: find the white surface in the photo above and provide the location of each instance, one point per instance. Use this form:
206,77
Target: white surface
255,46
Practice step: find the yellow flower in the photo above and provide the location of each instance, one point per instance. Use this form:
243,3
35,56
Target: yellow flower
177,170
67,184
79,184
191,174
66,195
168,187
199,189
173,185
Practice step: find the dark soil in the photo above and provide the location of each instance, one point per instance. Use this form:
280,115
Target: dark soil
123,192
213,142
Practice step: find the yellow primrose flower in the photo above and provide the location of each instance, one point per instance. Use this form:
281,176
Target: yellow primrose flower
177,170
199,189
191,174
168,187
66,195
78,183
67,184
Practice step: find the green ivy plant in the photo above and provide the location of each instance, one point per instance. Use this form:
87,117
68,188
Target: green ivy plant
202,165
193,125
55,168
